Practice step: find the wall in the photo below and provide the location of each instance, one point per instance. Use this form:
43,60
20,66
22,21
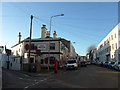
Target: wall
3,60
108,46
72,51
15,63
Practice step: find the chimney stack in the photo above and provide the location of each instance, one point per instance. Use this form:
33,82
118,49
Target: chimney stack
19,37
47,34
43,31
54,34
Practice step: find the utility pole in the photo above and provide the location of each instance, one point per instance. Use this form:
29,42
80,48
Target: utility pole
30,38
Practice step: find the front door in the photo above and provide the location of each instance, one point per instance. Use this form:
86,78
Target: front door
31,59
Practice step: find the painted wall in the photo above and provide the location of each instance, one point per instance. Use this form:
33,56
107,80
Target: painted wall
109,45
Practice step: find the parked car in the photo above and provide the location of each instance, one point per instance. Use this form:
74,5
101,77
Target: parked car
116,66
105,64
93,62
96,62
88,62
99,63
111,64
102,64
83,63
72,64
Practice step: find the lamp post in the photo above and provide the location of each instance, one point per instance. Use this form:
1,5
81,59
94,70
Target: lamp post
51,20
49,37
30,38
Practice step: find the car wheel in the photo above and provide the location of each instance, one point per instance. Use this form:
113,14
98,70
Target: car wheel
118,68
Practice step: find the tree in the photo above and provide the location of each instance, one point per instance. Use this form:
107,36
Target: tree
92,47
90,51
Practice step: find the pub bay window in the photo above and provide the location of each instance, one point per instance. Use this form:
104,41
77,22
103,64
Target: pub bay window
52,46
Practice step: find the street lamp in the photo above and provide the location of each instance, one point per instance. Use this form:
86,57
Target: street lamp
51,20
49,37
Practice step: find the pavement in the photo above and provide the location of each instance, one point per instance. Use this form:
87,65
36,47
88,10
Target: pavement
44,73
23,79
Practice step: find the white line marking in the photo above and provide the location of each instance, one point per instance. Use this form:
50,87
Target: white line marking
26,87
41,80
20,78
45,79
35,83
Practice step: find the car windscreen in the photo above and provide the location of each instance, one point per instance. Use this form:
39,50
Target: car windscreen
71,61
112,62
83,62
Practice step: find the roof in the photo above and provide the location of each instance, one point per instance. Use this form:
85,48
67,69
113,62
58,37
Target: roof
66,42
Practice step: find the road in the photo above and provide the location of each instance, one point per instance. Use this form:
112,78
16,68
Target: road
85,77
0,78
17,79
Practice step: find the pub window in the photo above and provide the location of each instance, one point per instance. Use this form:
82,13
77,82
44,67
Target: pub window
52,46
41,61
119,32
112,37
32,46
112,46
52,60
116,45
115,35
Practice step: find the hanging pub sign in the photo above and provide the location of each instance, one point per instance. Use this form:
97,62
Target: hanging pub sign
38,52
26,47
33,47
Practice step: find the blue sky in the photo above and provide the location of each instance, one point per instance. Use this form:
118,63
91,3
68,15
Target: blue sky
85,23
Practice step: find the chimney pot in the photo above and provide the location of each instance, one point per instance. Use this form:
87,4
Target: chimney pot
19,37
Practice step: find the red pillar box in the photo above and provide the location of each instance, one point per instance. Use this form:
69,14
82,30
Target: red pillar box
56,66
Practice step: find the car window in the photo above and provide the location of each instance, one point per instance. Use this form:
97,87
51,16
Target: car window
112,62
83,62
71,61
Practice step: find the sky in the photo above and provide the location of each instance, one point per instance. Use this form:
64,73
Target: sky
85,23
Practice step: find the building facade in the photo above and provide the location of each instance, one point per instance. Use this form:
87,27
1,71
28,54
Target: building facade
108,48
4,57
44,50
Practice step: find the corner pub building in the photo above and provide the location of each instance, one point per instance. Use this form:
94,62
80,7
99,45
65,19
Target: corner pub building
43,49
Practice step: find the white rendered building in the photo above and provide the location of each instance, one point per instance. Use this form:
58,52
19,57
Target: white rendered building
108,48
53,48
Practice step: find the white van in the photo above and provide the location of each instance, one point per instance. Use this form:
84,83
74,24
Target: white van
72,64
